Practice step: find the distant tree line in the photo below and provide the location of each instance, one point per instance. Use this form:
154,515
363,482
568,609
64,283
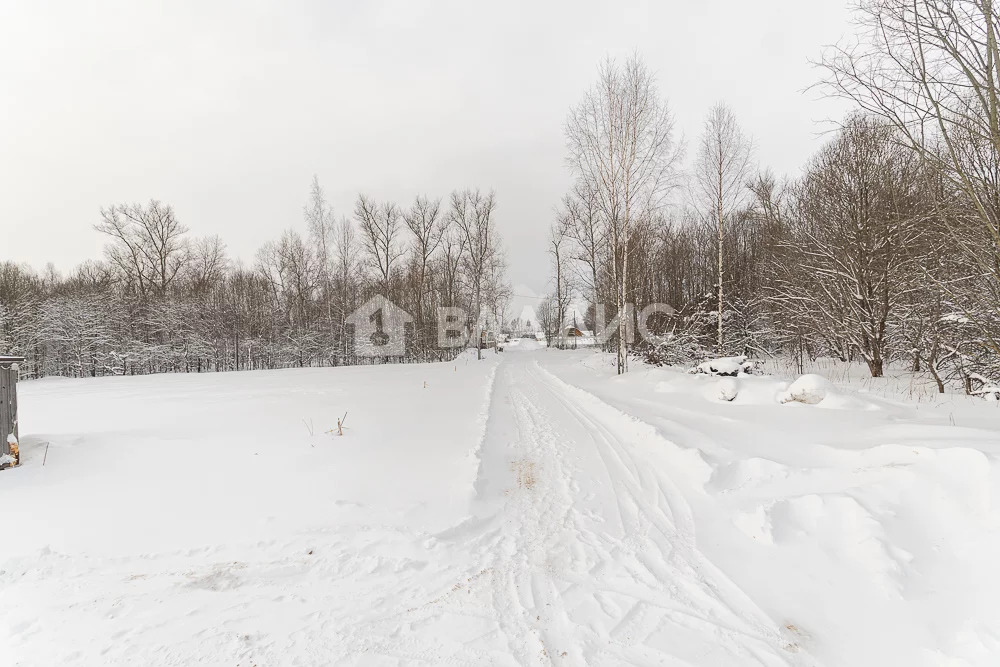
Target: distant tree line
886,248
163,301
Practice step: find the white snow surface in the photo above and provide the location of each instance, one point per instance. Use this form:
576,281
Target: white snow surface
528,509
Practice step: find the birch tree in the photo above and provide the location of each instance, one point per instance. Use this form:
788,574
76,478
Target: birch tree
721,173
622,149
321,226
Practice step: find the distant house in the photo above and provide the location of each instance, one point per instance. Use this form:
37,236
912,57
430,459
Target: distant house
574,337
487,339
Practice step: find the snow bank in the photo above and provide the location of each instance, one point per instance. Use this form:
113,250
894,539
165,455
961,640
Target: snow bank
868,528
809,389
746,473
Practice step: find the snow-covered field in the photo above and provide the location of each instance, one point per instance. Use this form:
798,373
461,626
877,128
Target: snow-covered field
531,508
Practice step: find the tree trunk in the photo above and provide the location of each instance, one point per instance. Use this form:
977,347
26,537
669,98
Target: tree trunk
622,312
718,349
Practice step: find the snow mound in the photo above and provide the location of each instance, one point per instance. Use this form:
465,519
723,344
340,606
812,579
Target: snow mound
809,389
747,473
727,389
725,366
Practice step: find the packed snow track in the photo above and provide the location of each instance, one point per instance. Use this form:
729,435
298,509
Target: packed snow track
594,557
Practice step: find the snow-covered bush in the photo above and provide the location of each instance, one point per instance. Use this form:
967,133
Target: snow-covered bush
677,349
987,389
809,389
725,366
685,337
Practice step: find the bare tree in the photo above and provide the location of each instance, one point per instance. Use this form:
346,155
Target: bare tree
345,275
547,313
848,264
558,249
148,244
380,230
453,247
931,69
621,149
164,304
208,264
497,292
722,170
425,222
584,227
292,271
471,212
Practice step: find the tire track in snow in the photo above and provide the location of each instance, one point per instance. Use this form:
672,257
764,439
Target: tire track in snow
621,582
670,514
534,518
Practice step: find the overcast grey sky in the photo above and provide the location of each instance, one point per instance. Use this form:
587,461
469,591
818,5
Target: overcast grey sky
226,109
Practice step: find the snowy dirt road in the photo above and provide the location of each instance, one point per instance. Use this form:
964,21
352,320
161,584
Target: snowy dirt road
595,557
583,552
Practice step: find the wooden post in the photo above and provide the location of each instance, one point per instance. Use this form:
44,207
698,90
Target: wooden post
8,402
